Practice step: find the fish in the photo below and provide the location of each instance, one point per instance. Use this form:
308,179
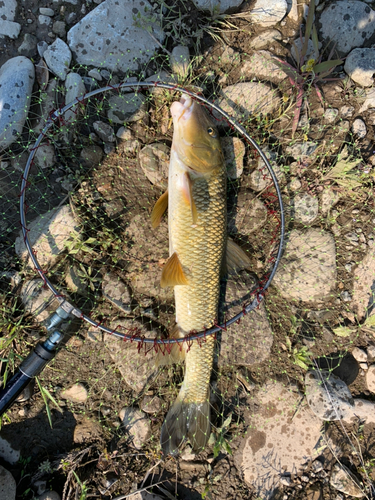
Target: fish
200,253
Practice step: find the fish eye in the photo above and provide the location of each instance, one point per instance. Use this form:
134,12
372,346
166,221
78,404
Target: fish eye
211,131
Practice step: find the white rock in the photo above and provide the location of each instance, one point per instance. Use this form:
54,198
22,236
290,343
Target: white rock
343,480
50,495
350,23
363,283
42,47
276,443
260,177
265,13
109,33
327,395
234,152
360,66
261,65
359,128
7,485
16,82
49,235
45,11
265,38
359,355
369,101
8,10
331,114
363,410
347,111
94,73
293,10
247,214
10,29
297,46
370,379
307,270
124,134
154,161
143,495
104,131
306,208
180,59
9,454
75,88
58,58
371,351
45,156
76,394
44,20
299,150
329,199
244,100
137,425
129,107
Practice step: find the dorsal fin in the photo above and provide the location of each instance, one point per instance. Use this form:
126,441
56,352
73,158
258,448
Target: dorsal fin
160,207
172,273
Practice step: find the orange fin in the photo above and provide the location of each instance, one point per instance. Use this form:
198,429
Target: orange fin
172,273
188,195
174,354
160,207
235,258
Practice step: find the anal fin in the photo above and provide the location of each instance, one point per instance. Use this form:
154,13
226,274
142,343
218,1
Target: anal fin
160,207
173,273
175,352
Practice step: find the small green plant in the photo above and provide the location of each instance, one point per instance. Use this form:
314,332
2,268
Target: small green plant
77,245
302,357
219,440
307,74
343,173
87,276
46,395
83,487
45,467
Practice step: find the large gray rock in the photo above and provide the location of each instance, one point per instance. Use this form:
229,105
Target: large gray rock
58,58
8,10
244,100
350,23
7,485
265,13
262,65
108,36
16,82
9,29
217,6
307,270
360,66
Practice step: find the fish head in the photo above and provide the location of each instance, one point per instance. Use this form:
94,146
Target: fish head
195,137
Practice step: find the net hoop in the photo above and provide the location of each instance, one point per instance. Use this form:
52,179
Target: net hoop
64,303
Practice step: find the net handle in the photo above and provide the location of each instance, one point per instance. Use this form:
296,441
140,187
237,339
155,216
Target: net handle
66,304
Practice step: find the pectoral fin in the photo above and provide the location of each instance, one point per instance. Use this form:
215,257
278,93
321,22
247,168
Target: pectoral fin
187,188
172,273
160,207
235,258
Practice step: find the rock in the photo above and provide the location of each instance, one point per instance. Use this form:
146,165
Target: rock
143,495
45,11
329,199
244,100
369,101
306,208
363,411
7,485
8,10
58,58
49,235
360,66
76,394
9,29
347,111
49,495
217,6
262,65
299,150
48,104
124,134
277,444
343,480
117,292
234,152
91,156
265,38
42,47
45,156
130,107
44,20
75,88
151,404
94,73
247,214
260,178
307,250
154,162
327,395
59,28
266,14
86,431
116,32
349,23
363,284
16,82
229,56
293,13
28,46
359,128
359,355
180,60
370,379
104,131
330,115
7,453
137,369
137,425
371,351
253,330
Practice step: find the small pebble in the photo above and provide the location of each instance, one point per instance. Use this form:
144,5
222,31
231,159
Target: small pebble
44,20
371,351
76,394
359,355
370,379
363,366
46,12
359,128
317,466
345,296
331,114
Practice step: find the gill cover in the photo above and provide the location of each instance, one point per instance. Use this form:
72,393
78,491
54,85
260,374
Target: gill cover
195,137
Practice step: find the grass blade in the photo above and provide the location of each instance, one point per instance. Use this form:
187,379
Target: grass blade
309,23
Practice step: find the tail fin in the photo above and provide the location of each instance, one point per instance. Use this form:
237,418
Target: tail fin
186,420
